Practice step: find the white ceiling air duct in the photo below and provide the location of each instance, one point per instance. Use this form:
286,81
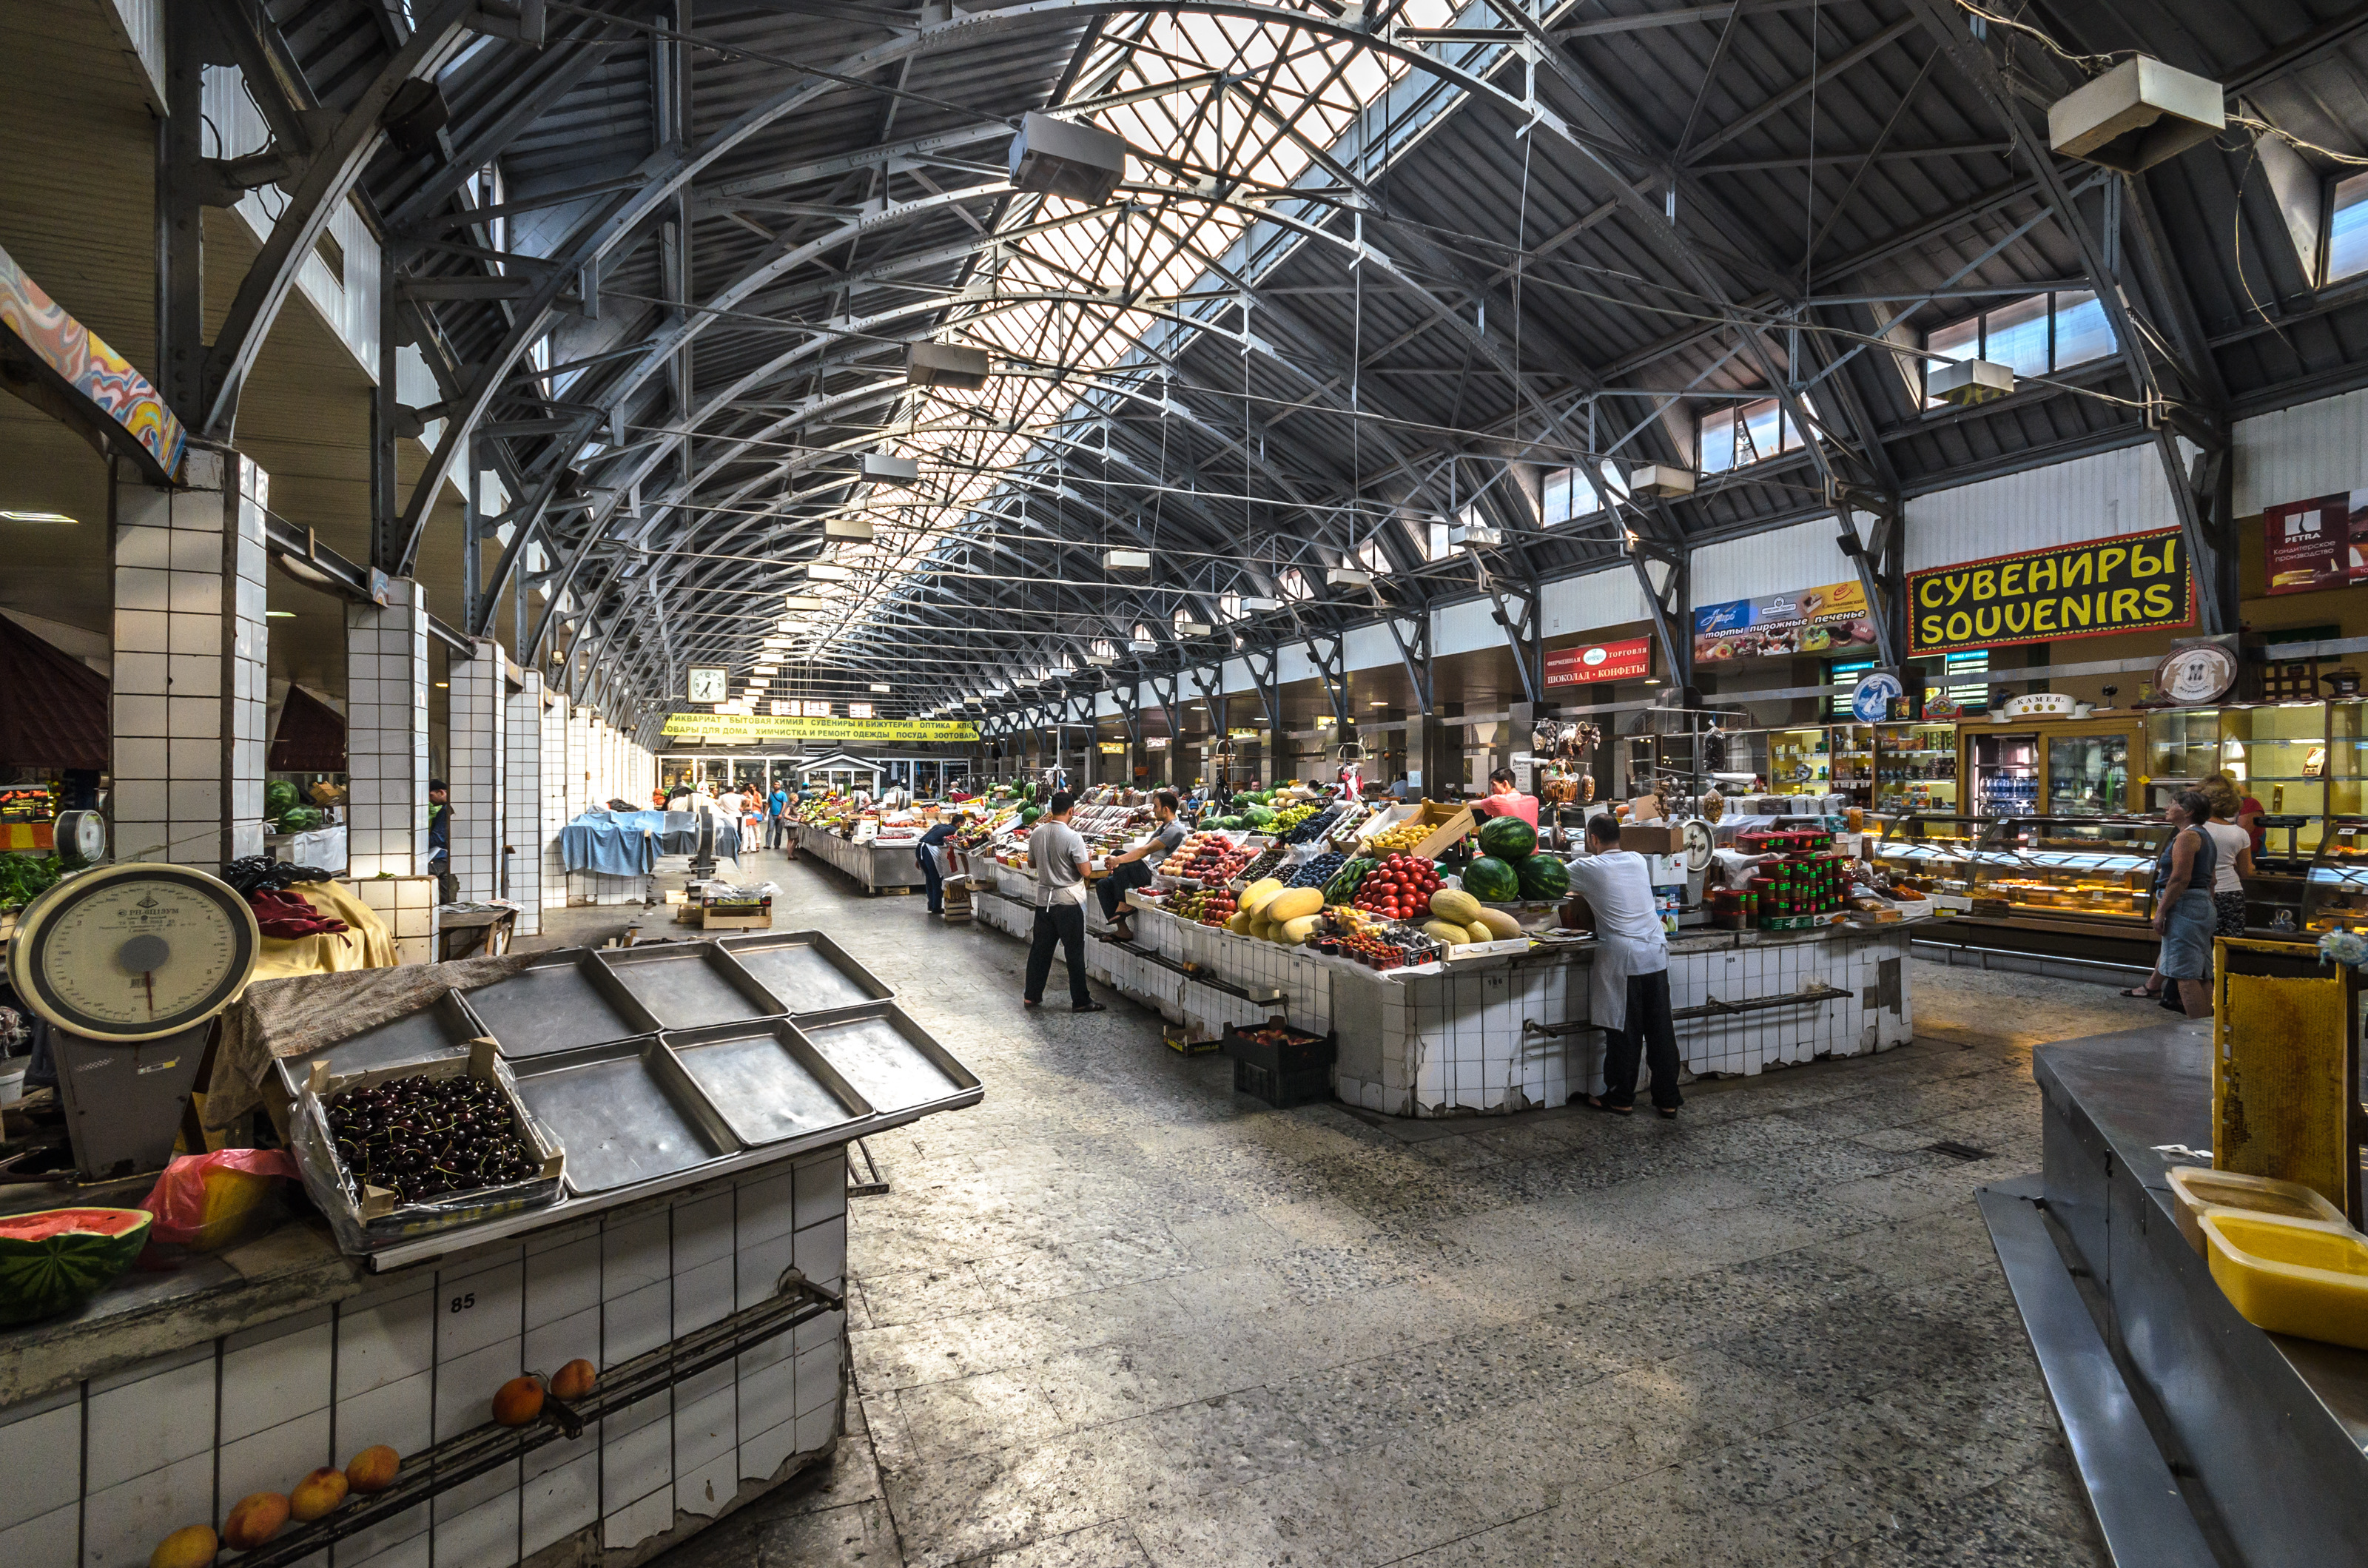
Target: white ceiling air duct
1662,480
824,572
882,687
2137,115
1474,536
1969,382
793,602
1255,601
1058,157
887,468
1192,628
1349,577
858,529
1101,658
945,365
1126,561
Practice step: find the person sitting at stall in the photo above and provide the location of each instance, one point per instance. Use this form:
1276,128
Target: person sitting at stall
2184,917
1133,869
1505,799
1628,996
925,852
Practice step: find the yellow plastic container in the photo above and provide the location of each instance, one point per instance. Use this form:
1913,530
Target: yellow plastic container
2194,1190
2289,1276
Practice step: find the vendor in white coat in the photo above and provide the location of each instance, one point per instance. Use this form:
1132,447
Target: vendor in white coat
1628,996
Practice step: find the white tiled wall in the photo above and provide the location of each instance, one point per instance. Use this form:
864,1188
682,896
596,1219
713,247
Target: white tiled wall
408,906
523,830
478,731
555,729
189,665
101,1471
386,731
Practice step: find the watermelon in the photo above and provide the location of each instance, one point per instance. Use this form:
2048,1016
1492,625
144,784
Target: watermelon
53,1260
1257,817
1029,816
1229,824
1543,878
1491,880
1508,839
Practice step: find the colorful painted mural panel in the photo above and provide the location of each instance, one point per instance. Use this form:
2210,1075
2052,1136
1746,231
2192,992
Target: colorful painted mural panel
96,382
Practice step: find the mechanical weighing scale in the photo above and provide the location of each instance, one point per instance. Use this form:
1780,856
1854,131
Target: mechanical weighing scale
129,964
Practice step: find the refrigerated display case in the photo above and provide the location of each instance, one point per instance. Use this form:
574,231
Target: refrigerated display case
2335,894
2001,772
2093,874
2050,767
1931,855
2301,760
1915,767
2089,775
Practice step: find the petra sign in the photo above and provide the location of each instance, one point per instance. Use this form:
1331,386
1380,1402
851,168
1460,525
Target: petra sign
2318,543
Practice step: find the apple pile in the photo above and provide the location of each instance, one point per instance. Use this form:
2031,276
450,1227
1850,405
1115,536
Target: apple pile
1399,888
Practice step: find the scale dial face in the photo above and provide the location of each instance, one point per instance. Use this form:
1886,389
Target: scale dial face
134,951
1698,844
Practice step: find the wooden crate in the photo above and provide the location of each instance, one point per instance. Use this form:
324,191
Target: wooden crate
2285,1067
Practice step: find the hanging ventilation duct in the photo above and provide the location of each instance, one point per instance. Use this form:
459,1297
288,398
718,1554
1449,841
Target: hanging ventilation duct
1126,561
945,365
1057,157
1968,382
1257,602
1101,658
1474,536
1192,628
855,529
1349,577
2137,115
803,601
882,687
824,572
1660,479
887,468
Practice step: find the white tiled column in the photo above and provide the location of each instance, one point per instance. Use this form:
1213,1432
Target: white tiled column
480,695
386,731
579,762
522,802
555,730
190,672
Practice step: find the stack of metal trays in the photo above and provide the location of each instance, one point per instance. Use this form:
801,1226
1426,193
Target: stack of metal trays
562,1000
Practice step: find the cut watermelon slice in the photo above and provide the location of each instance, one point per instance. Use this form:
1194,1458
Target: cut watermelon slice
53,1260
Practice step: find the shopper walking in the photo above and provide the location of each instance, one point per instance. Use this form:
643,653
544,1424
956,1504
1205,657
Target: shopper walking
777,821
1058,854
1628,996
2183,915
1133,869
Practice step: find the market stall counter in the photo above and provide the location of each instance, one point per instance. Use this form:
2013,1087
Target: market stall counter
676,1219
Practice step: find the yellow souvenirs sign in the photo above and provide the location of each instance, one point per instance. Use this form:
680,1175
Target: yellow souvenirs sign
2133,583
765,727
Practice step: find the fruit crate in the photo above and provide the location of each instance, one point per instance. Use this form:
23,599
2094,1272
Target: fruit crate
1282,1090
1277,1050
365,1217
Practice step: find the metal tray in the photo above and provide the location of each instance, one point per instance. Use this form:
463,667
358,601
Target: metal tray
891,1061
689,985
443,1028
768,1082
625,1113
806,970
562,1001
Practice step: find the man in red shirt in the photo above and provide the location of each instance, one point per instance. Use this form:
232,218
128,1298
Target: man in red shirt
1504,800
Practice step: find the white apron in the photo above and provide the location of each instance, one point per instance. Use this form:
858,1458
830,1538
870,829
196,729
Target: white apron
1617,958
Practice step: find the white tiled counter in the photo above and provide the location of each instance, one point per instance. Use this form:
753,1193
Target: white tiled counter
224,1398
1498,1035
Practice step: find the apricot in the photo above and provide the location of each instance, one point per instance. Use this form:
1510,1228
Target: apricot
373,1469
316,1494
191,1545
574,1379
517,1402
254,1520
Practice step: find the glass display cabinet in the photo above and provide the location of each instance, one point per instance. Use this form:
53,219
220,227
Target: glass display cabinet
2051,766
2335,894
1850,751
2083,872
1915,768
1933,854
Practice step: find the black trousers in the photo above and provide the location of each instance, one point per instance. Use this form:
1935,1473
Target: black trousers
935,881
1064,925
1114,888
1650,1028
777,832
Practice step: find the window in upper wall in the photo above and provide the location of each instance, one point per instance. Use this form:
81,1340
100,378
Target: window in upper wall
1564,493
1371,557
2037,335
2347,229
1735,435
1229,607
1291,584
1428,537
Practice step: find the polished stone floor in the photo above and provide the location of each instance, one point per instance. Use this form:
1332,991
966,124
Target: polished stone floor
1116,1316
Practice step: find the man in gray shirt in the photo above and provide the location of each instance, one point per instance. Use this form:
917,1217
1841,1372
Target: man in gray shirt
1133,869
1058,854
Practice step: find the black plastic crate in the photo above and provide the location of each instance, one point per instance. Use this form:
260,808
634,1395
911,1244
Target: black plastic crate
1282,1090
1293,1052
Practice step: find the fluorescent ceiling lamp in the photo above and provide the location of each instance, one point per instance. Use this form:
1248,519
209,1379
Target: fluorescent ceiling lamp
38,518
1126,560
803,601
279,614
1968,384
824,572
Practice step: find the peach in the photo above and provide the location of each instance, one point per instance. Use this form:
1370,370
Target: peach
373,1469
517,1402
316,1494
254,1520
191,1545
574,1379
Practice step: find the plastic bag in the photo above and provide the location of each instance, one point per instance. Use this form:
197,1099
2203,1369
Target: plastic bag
206,1202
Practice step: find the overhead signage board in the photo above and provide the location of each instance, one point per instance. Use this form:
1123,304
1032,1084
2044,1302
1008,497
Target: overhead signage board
768,727
2132,583
1112,748
1829,618
1631,658
2319,543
